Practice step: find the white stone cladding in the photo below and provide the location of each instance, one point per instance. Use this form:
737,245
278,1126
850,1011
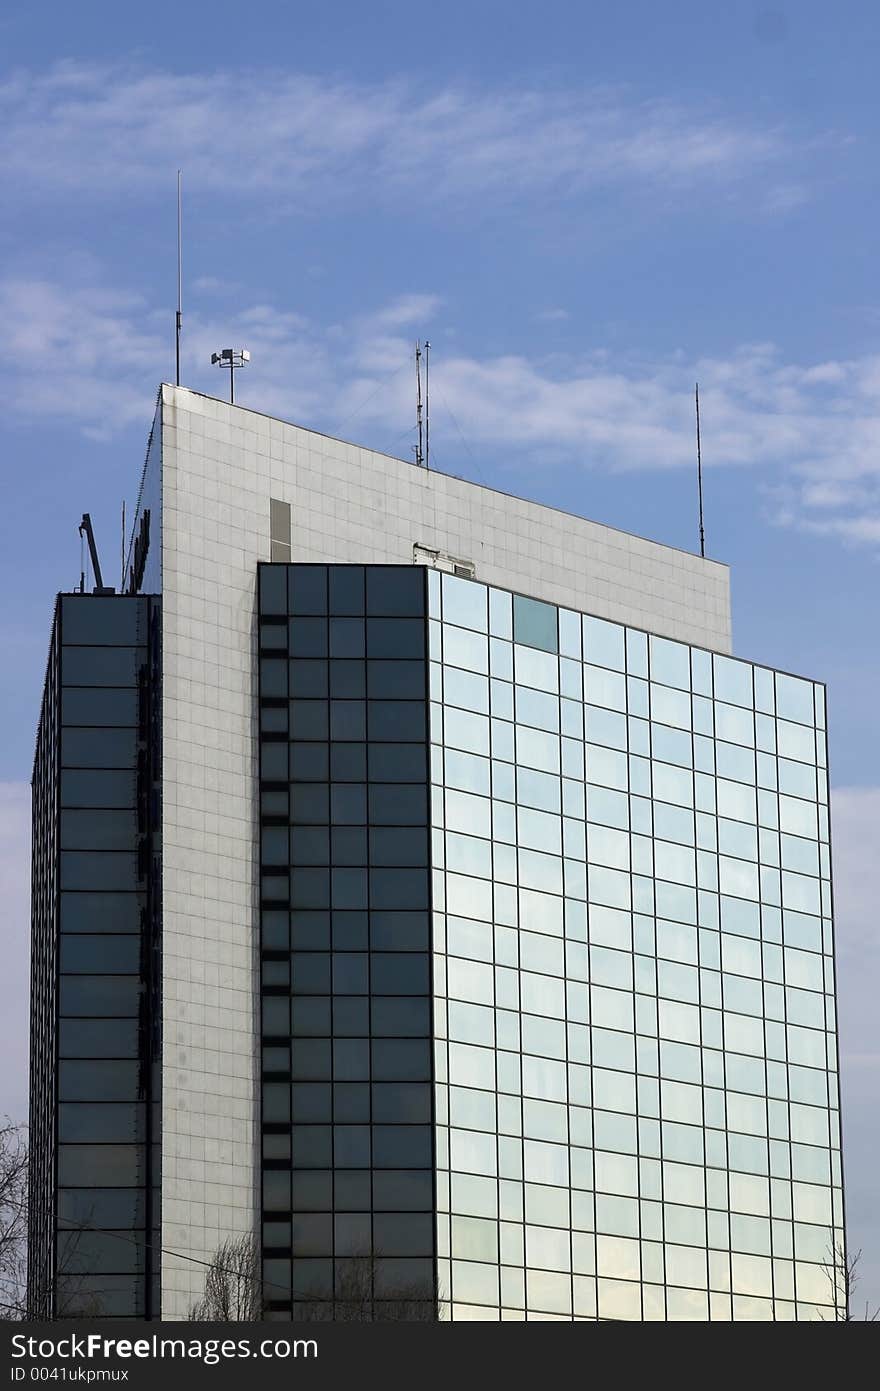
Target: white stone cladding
221,464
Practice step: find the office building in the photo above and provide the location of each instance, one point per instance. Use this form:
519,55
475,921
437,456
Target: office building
423,887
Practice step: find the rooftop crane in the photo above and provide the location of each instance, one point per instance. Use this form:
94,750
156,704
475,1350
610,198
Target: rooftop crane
85,529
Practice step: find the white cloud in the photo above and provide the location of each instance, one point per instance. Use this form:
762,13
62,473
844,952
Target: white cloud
309,141
810,431
15,805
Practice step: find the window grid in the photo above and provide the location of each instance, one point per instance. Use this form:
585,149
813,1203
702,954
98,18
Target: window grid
763,1285
349,1180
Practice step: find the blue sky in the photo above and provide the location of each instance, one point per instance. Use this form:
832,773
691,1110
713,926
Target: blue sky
584,207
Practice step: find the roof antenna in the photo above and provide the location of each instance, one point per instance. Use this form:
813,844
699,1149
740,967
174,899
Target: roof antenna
179,319
427,408
122,572
418,447
700,473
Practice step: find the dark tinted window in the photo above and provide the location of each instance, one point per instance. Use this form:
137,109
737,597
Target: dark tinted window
310,889
351,1016
310,803
110,1166
91,1123
398,888
308,719
308,762
307,589
104,955
110,869
273,677
102,1207
98,787
98,1038
309,845
101,912
395,637
311,1103
348,804
350,931
310,1016
401,1060
400,973
397,763
273,637
308,638
349,888
352,1191
310,973
310,931
395,590
393,805
399,1235
348,680
402,680
404,1189
308,679
397,719
104,706
399,845
401,1018
98,830
97,622
351,973
97,1081
348,719
100,995
391,931
273,589
101,666
349,845
348,762
401,1146
402,1103
346,637
98,748
346,589
351,1102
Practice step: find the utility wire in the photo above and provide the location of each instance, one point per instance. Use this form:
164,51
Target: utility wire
168,1251
386,381
473,457
164,1251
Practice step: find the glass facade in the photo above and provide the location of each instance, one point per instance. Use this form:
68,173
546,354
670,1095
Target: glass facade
636,1064
96,895
546,995
347,1133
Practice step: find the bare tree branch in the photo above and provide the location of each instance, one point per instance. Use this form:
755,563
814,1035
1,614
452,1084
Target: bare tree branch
233,1292
841,1271
13,1219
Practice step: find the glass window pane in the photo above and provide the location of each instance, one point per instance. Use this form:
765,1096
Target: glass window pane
535,624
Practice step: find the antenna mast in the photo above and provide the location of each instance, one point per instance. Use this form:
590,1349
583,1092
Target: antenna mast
700,472
419,454
427,408
179,318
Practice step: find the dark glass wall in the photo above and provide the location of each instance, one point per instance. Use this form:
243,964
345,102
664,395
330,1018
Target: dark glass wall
95,1045
143,566
347,1097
